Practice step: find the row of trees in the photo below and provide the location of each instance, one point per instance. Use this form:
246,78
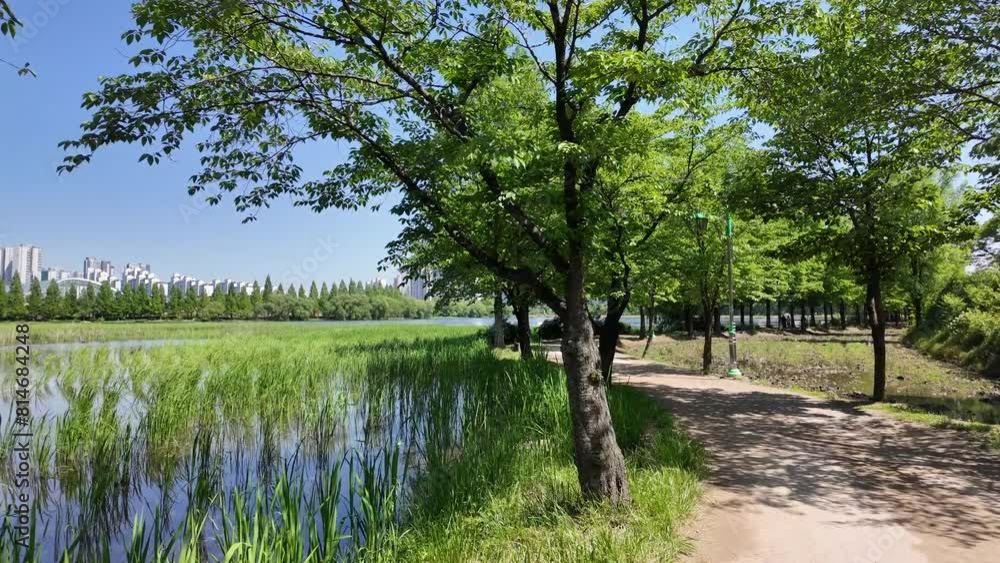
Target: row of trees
343,301
565,152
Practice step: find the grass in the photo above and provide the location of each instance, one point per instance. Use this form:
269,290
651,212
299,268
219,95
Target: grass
840,365
909,413
309,442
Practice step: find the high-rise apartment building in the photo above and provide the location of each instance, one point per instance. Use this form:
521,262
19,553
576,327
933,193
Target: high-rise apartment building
24,260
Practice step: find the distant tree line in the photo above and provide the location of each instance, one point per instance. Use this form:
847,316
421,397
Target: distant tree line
343,301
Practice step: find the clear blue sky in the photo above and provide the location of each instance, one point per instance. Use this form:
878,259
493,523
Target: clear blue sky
118,209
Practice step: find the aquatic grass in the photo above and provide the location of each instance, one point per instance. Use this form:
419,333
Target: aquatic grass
319,443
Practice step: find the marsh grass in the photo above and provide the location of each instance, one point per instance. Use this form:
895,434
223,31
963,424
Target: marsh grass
282,442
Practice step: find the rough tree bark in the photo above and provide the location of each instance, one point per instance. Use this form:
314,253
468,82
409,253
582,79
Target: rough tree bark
767,311
918,311
521,313
610,332
876,319
599,461
498,320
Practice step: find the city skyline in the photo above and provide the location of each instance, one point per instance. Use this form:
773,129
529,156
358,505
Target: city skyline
127,211
25,260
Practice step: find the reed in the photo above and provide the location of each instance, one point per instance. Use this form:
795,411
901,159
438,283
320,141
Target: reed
316,443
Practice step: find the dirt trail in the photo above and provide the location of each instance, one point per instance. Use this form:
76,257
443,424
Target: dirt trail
796,479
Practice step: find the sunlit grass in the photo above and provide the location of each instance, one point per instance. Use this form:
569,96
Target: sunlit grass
308,442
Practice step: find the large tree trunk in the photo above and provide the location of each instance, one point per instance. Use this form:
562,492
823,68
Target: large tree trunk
642,322
791,314
826,315
812,314
717,319
802,320
767,311
918,311
876,319
753,326
498,320
610,331
599,461
521,313
706,351
843,315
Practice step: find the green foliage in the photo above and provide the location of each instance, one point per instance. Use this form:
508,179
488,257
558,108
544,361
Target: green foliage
964,324
244,431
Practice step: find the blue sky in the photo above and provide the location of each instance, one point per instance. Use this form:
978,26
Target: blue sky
118,209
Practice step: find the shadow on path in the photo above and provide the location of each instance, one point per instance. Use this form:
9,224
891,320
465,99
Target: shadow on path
772,449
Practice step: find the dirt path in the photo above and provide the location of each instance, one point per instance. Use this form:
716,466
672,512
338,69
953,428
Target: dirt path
796,479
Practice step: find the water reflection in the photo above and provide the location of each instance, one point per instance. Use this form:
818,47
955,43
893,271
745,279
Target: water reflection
155,441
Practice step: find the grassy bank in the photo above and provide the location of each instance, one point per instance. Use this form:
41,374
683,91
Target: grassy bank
839,364
267,441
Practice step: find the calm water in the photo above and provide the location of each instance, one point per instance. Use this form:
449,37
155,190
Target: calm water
98,495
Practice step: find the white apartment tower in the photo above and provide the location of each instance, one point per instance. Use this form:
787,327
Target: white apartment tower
24,260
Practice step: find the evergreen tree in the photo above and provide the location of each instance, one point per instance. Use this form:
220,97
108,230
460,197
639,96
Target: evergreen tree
175,303
254,296
16,308
302,291
190,308
268,290
313,292
157,303
125,303
280,290
324,292
3,299
141,304
87,306
342,288
53,305
104,307
70,304
36,302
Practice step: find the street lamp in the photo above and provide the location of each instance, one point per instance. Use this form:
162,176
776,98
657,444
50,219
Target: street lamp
701,220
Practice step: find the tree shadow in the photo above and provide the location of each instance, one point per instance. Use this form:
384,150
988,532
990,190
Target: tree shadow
779,449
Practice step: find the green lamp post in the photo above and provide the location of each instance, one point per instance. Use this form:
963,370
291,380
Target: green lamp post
702,220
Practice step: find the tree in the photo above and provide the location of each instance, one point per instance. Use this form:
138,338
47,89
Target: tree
157,307
71,303
9,24
88,303
53,302
105,307
16,308
4,303
415,88
849,141
36,301
268,290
